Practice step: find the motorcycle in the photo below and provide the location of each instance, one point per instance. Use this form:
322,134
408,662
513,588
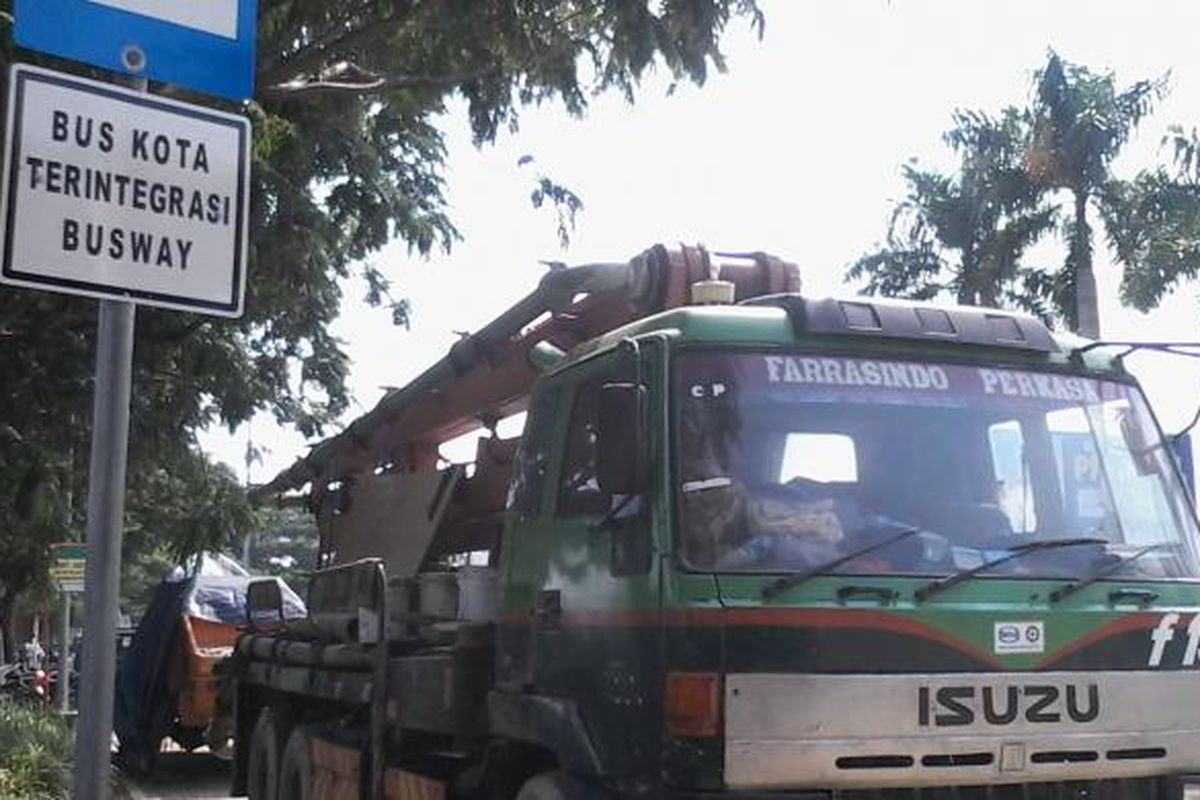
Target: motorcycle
27,684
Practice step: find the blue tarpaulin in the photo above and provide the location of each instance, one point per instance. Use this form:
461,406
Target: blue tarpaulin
141,712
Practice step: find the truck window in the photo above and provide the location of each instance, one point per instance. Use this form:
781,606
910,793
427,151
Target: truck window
533,457
578,492
1014,494
1104,489
786,462
819,457
1087,504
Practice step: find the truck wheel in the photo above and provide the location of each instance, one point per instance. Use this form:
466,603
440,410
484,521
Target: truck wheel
262,769
543,786
295,775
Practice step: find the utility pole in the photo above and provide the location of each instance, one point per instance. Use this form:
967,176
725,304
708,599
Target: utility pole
251,456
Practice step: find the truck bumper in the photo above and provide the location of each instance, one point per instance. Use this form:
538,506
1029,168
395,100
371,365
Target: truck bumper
860,732
1168,788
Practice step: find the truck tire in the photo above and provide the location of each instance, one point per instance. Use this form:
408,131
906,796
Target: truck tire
543,786
262,768
295,773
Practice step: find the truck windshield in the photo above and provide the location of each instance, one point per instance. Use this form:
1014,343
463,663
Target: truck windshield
786,461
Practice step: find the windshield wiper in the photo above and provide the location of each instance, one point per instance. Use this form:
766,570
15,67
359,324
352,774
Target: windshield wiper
1074,586
781,585
1014,552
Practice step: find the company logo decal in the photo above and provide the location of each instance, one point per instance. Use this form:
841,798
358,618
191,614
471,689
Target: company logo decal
956,706
1164,633
1019,637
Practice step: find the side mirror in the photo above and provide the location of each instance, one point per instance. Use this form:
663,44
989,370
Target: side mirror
264,602
622,458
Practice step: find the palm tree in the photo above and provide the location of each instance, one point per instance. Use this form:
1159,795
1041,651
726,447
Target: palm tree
1153,223
1080,124
965,233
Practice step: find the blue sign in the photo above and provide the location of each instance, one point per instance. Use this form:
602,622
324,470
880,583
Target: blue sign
204,45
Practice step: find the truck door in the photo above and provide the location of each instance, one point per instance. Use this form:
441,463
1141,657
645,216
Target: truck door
593,600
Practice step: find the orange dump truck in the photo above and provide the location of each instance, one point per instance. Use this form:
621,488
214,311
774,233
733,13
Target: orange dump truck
202,645
168,680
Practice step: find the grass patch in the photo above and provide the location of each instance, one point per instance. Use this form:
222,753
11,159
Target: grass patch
36,749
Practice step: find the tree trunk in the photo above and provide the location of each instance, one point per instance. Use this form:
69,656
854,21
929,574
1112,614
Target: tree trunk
966,297
967,277
989,294
1087,309
8,648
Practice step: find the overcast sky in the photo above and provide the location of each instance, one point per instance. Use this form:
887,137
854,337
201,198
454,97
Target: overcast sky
796,151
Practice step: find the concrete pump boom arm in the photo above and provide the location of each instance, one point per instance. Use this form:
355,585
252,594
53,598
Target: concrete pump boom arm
488,375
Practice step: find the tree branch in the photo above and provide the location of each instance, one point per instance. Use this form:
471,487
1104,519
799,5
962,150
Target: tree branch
380,84
310,57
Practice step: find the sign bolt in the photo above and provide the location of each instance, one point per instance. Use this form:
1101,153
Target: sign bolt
133,58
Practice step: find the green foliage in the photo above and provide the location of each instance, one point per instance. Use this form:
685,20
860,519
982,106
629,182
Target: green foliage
566,203
35,753
1153,224
141,572
36,485
1081,123
285,544
964,233
194,506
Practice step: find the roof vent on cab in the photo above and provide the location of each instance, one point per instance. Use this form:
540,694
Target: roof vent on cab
900,319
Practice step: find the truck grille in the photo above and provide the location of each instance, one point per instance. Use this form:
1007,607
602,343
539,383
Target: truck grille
1124,789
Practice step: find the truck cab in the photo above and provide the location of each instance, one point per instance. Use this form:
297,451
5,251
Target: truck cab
849,546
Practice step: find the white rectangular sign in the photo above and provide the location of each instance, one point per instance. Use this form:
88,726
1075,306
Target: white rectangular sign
110,192
218,17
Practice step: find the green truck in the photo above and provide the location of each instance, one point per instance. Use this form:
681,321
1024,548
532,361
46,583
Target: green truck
750,544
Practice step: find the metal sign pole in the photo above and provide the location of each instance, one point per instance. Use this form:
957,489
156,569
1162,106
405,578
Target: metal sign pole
64,655
105,513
